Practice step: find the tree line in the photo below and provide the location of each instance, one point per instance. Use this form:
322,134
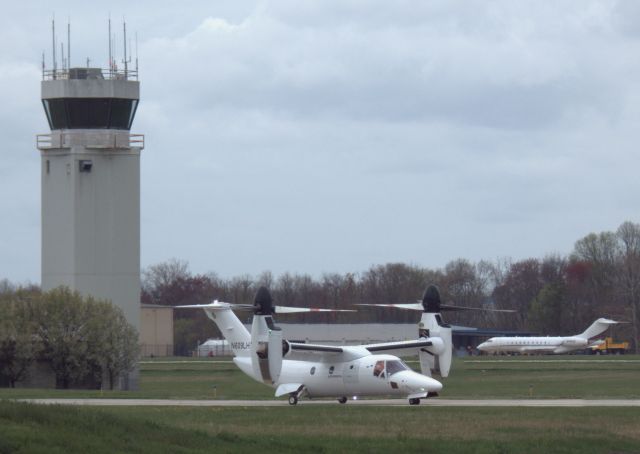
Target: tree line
556,294
84,341
552,295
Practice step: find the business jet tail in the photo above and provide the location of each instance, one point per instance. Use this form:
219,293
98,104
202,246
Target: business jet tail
597,327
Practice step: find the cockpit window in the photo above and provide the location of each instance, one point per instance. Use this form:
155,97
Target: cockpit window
383,370
378,369
395,366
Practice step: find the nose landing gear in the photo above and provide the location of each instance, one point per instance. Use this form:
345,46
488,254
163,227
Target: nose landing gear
414,401
293,399
342,400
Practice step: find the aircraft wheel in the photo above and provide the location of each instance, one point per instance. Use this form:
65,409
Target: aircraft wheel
415,401
293,400
342,400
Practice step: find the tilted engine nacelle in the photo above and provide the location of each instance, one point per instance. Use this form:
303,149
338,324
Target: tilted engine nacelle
266,340
436,358
266,349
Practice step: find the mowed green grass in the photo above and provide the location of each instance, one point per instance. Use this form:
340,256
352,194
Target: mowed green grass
571,376
549,377
30,428
342,428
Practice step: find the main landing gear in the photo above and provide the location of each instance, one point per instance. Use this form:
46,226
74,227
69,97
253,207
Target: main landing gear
414,401
342,400
293,399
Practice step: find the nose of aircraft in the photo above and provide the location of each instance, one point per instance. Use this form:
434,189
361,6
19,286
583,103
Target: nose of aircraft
415,382
482,346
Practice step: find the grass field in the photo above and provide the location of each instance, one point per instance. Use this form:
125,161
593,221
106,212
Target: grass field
339,428
342,428
571,376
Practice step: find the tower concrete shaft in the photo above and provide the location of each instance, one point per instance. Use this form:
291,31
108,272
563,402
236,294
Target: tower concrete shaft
91,186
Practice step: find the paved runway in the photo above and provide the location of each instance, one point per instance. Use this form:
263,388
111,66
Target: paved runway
378,402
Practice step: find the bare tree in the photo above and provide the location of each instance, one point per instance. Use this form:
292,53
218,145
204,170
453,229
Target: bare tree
601,254
163,274
629,235
520,286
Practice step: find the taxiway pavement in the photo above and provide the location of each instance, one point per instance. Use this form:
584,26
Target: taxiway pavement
367,402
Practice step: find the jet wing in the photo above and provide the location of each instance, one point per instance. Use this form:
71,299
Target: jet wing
537,348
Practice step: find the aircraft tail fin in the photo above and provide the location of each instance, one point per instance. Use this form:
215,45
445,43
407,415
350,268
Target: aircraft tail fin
229,325
597,327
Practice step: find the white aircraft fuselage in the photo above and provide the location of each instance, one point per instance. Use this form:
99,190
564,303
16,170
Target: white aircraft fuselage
358,377
556,345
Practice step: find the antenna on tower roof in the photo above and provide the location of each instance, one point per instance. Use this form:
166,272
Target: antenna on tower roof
53,43
68,43
136,55
124,28
110,53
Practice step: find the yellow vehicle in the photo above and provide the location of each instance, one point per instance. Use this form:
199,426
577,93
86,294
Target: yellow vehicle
609,347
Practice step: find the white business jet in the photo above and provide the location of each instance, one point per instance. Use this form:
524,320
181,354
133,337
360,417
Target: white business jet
558,344
310,370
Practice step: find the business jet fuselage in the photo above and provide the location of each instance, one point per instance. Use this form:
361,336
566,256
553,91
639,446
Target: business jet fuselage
533,344
556,345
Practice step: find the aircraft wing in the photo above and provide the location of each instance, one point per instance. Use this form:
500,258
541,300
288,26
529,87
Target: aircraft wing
315,352
333,352
296,346
400,345
373,348
537,348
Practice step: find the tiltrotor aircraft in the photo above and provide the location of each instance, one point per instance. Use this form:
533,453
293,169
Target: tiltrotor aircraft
311,370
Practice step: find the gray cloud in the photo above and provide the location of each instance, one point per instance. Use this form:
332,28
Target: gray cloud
327,136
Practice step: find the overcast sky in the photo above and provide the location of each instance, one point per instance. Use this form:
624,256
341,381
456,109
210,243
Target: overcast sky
328,136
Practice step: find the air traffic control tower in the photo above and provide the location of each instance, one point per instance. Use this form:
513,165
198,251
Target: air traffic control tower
91,185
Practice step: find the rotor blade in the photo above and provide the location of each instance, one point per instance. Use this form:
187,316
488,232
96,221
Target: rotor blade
295,310
450,307
217,305
406,306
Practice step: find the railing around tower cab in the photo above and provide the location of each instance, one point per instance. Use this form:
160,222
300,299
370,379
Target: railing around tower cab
59,140
90,73
44,141
136,140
